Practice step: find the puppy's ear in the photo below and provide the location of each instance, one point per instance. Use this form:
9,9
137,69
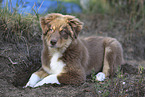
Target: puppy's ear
75,24
44,21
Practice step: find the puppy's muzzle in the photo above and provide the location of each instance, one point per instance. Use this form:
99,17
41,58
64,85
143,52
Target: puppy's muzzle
53,42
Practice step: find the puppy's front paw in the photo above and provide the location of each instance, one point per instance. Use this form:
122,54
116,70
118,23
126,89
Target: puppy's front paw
51,79
32,81
100,76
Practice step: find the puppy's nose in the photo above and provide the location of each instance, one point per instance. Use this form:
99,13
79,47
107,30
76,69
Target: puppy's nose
53,42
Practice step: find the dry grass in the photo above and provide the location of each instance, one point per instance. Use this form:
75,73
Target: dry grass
16,26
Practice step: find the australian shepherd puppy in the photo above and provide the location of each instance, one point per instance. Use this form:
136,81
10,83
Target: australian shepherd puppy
67,59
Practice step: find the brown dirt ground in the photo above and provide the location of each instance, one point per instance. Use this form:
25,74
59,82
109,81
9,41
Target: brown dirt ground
27,55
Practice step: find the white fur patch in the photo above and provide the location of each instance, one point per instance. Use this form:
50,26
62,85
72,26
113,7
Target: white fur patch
56,65
51,79
100,76
33,80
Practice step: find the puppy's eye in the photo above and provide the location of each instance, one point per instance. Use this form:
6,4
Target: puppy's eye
64,34
50,29
45,33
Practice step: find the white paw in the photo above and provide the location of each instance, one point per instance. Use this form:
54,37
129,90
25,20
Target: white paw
100,76
51,79
33,80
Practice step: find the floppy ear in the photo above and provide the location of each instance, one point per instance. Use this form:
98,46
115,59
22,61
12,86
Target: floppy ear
47,19
75,24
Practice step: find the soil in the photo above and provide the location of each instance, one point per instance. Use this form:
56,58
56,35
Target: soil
20,59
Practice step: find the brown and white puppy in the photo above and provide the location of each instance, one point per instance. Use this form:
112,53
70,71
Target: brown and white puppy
67,59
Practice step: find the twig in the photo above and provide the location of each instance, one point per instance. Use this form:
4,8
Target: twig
12,61
9,59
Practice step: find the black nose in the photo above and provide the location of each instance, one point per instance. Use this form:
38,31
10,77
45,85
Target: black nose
53,42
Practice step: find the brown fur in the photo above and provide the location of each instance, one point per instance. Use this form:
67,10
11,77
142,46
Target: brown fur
81,56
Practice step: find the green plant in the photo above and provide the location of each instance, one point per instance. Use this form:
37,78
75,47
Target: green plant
102,88
93,76
140,72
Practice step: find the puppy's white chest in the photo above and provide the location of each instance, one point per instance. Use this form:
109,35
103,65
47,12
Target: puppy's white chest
56,65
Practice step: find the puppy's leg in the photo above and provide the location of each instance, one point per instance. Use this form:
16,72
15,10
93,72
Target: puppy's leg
113,57
64,78
36,77
72,77
106,67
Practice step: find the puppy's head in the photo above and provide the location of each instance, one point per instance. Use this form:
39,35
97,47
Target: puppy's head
60,30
